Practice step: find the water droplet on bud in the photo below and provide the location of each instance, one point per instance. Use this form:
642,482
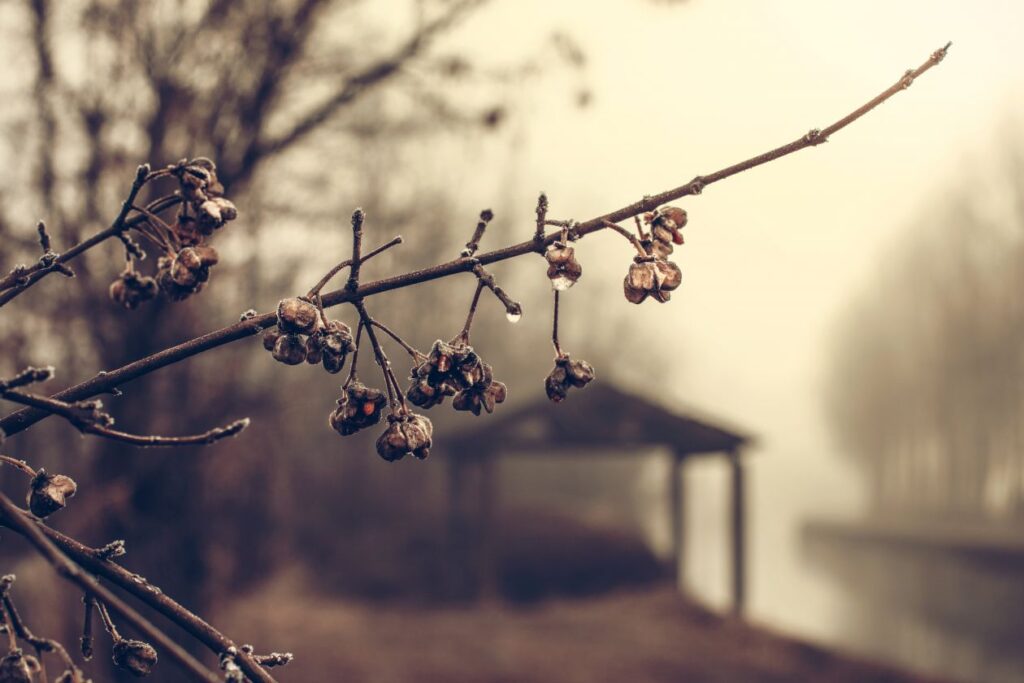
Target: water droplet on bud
514,315
561,283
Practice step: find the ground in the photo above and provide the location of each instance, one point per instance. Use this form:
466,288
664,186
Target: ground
646,634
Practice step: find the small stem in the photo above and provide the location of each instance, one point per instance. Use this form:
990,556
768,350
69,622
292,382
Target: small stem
352,374
19,464
108,623
554,329
417,355
542,214
628,235
486,216
86,641
390,381
512,308
639,228
348,262
464,335
88,419
357,246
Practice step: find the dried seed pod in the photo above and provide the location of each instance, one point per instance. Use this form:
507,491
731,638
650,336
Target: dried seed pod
296,315
423,394
228,210
563,268
135,656
359,407
289,349
567,373
672,218
408,434
485,398
314,350
208,216
668,275
270,338
651,277
131,289
335,341
14,668
49,492
448,367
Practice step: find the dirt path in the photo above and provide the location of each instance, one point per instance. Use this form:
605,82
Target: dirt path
650,635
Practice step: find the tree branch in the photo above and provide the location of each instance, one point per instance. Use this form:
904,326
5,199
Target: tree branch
106,381
18,520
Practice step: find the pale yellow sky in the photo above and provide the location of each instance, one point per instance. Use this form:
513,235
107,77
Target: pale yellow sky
774,255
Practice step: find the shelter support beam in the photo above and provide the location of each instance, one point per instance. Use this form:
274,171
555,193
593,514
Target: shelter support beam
739,532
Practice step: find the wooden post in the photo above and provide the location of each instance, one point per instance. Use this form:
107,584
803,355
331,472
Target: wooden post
457,550
739,532
677,519
487,529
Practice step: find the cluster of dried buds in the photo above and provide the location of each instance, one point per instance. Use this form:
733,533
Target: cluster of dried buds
303,334
653,275
359,407
184,267
567,373
182,275
454,369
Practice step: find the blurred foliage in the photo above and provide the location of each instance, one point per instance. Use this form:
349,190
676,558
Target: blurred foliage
925,391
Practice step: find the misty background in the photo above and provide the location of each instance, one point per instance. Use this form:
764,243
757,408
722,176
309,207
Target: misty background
854,306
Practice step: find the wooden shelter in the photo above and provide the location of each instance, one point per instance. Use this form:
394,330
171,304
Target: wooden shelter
597,420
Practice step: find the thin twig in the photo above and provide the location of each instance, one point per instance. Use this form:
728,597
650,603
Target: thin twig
19,464
348,262
395,395
90,419
486,216
41,645
417,355
41,270
628,235
554,328
542,214
104,382
357,247
464,335
16,519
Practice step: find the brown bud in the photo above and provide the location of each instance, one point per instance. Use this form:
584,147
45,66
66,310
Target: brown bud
333,362
131,289
668,275
563,268
359,407
228,210
14,668
314,350
135,656
673,218
661,249
556,390
49,492
289,349
567,373
270,338
189,258
171,289
297,316
651,277
579,373
406,435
